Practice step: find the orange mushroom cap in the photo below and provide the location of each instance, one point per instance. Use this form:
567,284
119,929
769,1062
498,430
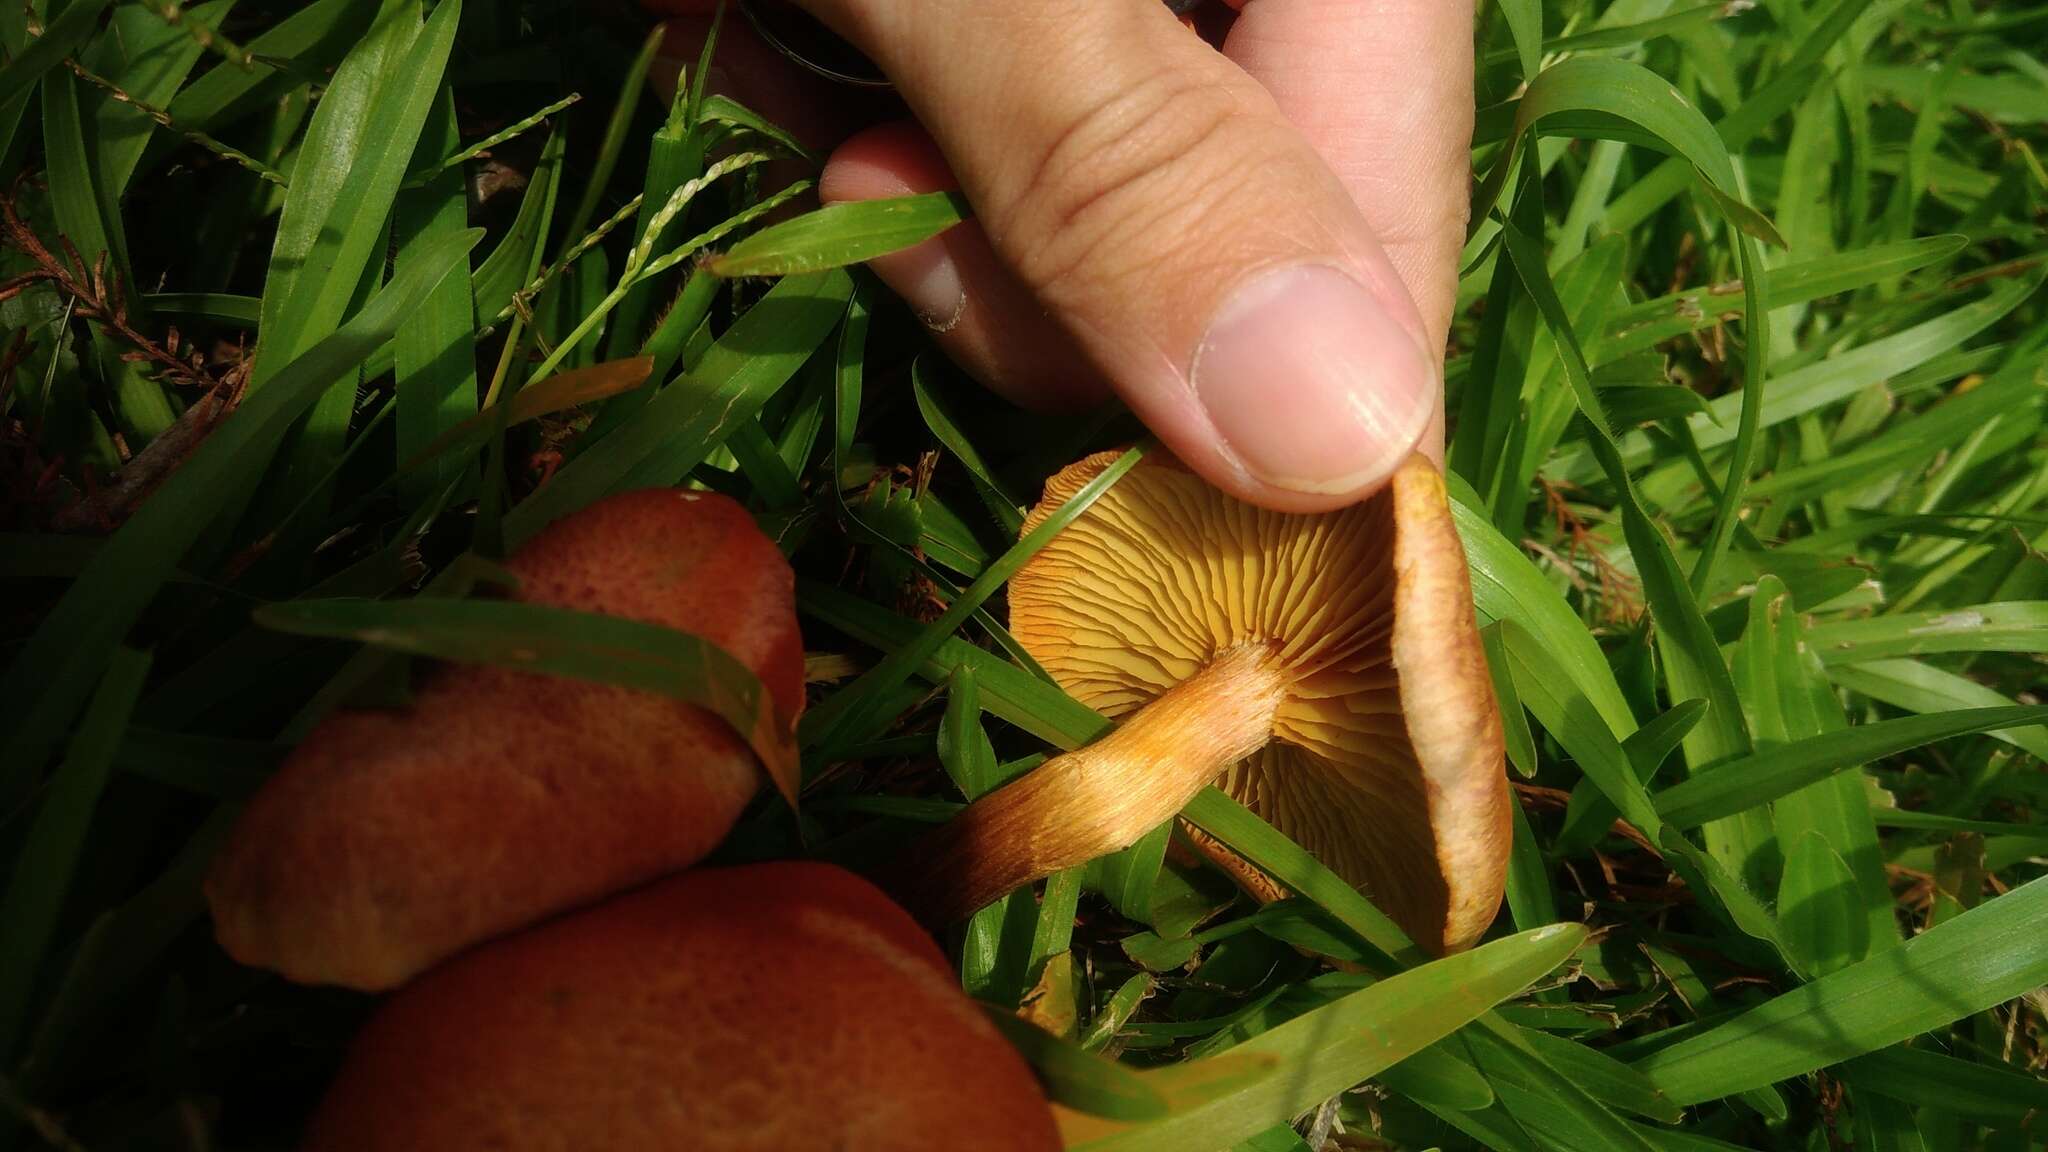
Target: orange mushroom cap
770,1007
1325,670
390,840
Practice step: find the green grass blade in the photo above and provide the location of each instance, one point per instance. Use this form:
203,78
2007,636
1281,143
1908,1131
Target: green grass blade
612,147
841,234
560,642
1079,1079
435,353
1928,1079
1983,957
1694,666
120,951
1766,775
842,718
940,410
682,424
1325,1051
1821,385
1923,688
52,673
1506,585
2014,627
65,35
51,853
1008,692
333,233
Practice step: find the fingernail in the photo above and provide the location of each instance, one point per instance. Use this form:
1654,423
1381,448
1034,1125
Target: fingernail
928,281
1312,385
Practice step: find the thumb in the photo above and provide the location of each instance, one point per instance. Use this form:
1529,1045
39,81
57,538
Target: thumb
1159,206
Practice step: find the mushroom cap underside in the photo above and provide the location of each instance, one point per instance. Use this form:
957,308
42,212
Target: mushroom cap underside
1387,761
745,1009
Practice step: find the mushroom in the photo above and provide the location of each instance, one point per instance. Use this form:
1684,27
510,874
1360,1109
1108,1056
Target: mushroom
1325,670
768,1007
390,840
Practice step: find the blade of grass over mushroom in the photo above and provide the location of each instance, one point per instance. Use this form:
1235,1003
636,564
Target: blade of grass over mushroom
841,234
51,852
52,673
680,426
1252,838
1983,957
1329,1049
842,718
561,642
1785,768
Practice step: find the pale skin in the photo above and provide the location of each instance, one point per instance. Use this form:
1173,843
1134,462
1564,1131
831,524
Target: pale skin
1250,239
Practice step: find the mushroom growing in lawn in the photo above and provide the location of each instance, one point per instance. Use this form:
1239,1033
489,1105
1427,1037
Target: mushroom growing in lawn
390,840
1325,670
777,1006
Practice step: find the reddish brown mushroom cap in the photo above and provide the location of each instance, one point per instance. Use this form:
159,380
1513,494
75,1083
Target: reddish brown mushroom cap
772,1007
1385,757
391,840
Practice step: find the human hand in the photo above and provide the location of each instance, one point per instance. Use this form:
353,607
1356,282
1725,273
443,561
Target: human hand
1254,245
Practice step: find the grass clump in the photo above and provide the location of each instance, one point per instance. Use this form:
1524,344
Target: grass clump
325,301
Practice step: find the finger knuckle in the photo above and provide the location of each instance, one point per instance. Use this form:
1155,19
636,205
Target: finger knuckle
1129,172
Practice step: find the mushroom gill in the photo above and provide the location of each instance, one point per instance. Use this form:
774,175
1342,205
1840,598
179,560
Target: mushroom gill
1325,670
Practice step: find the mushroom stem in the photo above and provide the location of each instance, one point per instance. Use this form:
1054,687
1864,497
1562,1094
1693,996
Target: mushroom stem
1101,798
